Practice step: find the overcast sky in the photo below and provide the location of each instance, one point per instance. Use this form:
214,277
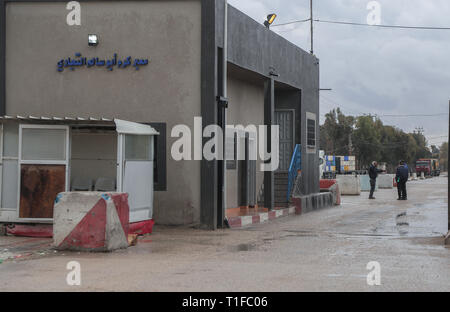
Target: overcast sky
375,70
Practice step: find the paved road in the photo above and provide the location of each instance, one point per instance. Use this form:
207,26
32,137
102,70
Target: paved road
327,250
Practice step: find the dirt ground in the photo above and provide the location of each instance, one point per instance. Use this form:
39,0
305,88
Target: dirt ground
326,250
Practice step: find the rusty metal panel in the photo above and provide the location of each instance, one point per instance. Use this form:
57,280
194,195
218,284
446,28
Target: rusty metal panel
38,189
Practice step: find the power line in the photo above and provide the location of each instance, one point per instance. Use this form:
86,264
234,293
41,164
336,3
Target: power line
293,22
383,26
362,24
384,115
438,137
339,105
414,115
393,115
438,144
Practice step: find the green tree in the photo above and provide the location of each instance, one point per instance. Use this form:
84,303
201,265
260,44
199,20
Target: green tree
371,140
366,140
435,152
396,145
336,133
422,150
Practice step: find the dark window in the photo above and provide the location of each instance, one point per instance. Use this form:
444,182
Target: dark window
311,133
160,165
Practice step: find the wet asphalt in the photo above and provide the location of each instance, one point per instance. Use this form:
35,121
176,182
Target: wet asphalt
326,250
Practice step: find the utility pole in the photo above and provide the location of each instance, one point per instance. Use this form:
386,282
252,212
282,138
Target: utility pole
350,145
447,238
312,25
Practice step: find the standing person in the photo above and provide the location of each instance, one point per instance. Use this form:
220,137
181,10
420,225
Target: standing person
402,177
373,175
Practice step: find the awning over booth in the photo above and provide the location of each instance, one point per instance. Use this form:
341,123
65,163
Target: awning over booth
127,127
122,126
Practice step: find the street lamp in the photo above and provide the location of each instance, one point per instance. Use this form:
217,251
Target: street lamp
270,19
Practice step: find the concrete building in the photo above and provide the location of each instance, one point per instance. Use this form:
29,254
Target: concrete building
158,63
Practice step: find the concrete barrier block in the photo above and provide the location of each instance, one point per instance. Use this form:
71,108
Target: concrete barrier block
335,194
325,184
324,202
329,200
365,183
349,184
321,200
414,176
91,221
385,181
332,187
308,203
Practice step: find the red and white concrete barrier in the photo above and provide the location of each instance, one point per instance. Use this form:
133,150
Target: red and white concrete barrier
262,217
91,221
333,187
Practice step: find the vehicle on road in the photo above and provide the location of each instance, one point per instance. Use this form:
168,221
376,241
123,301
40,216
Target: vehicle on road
429,166
338,165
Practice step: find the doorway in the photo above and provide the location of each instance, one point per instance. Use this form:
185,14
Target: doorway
136,158
285,120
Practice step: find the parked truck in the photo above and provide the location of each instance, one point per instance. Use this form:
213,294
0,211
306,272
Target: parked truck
430,167
338,165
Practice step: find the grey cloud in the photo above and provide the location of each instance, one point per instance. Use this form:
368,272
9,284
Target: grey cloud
372,70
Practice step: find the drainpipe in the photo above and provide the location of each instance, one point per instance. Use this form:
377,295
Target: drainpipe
225,95
223,101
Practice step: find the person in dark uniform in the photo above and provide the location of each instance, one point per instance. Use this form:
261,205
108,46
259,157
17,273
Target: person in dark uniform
402,178
373,175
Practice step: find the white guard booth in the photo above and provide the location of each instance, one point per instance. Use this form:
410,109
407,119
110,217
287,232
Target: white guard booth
42,156
136,154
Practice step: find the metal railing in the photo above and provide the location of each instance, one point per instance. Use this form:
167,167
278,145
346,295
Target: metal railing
296,165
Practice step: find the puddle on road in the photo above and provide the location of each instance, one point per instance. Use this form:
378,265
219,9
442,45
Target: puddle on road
243,247
402,224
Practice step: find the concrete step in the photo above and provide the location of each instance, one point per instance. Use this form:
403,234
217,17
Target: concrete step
277,204
279,193
281,187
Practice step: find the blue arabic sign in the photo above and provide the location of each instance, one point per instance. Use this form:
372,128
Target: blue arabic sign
80,61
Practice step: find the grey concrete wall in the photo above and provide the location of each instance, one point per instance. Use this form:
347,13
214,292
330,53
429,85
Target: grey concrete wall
246,107
167,90
252,46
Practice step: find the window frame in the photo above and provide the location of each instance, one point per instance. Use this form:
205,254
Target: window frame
160,156
21,162
311,117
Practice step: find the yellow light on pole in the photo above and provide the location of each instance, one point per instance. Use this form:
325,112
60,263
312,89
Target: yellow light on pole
270,19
